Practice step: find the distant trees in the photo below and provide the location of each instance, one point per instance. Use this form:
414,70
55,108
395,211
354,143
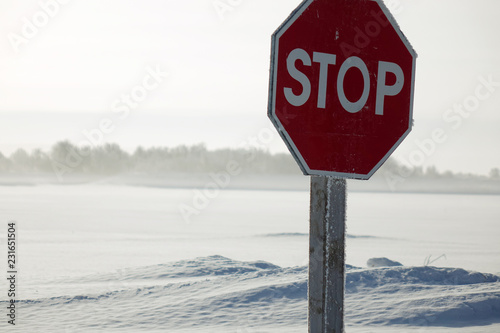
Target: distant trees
110,159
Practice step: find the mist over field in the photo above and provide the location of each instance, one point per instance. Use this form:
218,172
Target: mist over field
192,165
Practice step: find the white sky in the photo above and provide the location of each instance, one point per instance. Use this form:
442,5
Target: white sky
68,75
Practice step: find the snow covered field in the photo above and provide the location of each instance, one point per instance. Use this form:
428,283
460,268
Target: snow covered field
99,258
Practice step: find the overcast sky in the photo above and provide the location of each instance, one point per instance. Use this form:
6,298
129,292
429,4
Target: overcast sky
202,74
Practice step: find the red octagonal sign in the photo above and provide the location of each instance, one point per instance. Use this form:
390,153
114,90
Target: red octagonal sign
341,86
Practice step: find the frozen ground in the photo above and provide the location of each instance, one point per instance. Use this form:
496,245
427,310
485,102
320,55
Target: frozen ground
99,258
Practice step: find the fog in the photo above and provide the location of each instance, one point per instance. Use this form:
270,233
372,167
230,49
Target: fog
146,190
207,70
192,165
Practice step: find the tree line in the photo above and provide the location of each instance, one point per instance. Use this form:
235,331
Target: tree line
110,158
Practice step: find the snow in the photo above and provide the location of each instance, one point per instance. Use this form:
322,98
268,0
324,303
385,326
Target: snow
382,262
108,258
215,293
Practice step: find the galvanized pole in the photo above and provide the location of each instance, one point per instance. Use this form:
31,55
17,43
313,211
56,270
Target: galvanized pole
327,255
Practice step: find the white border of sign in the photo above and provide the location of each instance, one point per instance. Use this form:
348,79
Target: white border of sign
272,94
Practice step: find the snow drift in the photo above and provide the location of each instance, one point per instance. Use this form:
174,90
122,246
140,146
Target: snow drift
219,294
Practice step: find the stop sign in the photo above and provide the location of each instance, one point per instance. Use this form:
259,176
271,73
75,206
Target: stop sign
341,86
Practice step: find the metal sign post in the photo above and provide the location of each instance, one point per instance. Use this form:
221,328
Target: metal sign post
327,255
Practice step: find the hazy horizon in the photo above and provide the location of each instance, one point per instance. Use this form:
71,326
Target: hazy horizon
157,130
